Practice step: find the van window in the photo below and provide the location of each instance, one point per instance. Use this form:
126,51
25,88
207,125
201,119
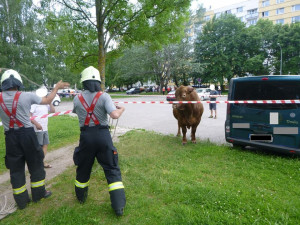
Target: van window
268,90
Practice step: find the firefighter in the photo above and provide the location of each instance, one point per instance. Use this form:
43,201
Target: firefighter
92,107
20,139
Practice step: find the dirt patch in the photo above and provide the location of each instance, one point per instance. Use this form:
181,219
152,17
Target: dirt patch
60,159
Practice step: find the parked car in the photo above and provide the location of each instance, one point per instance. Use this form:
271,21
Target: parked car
56,101
67,92
135,90
171,96
270,126
203,93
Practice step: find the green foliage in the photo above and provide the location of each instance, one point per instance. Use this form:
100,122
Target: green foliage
230,49
221,47
131,67
83,38
167,183
288,38
22,44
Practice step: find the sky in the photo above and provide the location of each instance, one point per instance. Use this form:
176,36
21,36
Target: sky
215,4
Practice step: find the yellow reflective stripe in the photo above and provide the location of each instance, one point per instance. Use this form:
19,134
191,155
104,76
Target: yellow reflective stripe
81,185
38,184
19,190
115,186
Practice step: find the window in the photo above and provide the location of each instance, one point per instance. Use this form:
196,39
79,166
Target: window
239,9
295,8
265,3
280,21
295,19
252,11
280,11
252,22
218,15
279,1
228,11
265,14
207,18
272,90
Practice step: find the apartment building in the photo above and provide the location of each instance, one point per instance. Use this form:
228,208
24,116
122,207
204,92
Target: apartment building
278,11
246,11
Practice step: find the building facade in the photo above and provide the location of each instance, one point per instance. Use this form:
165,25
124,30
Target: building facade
278,11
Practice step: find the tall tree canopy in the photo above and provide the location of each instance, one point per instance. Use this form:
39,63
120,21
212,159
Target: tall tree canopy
221,46
117,23
23,40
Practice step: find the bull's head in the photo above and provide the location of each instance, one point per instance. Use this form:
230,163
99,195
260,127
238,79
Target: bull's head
183,93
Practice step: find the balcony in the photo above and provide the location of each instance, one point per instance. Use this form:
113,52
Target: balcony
252,16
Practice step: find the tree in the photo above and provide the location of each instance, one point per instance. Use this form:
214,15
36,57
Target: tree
122,23
23,45
259,48
132,66
287,38
221,47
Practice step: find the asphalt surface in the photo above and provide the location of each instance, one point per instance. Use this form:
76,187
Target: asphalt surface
159,118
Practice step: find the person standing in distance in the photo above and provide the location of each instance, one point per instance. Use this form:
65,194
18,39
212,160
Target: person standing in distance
20,139
41,124
92,107
213,106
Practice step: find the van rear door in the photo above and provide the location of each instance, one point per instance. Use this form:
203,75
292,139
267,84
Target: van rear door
276,124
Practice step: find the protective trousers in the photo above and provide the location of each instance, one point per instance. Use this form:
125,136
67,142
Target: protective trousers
22,146
96,142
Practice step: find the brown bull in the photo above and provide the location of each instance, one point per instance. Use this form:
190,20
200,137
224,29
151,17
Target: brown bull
188,115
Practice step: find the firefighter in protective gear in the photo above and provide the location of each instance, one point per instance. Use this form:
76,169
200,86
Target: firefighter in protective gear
20,139
92,107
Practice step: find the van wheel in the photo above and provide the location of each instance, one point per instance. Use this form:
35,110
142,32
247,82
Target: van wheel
56,103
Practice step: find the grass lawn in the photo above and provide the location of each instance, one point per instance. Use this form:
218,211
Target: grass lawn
167,183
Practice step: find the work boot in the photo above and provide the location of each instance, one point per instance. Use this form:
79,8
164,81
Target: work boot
47,194
81,194
119,212
24,205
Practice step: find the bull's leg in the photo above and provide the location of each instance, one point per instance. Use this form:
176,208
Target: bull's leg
184,141
178,132
193,133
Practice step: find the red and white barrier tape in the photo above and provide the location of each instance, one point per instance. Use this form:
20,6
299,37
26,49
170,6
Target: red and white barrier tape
180,102
49,115
195,102
52,114
137,95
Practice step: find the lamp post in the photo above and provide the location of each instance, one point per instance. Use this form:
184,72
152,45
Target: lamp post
280,58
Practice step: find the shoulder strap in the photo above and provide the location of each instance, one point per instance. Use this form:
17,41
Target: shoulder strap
12,115
90,110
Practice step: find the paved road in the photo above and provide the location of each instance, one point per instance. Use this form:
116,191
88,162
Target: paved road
159,118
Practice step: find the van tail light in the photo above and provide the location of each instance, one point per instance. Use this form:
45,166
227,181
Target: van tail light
228,108
265,78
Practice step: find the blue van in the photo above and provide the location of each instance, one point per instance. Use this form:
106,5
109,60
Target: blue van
268,126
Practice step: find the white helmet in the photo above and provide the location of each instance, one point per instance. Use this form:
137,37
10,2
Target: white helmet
90,73
9,73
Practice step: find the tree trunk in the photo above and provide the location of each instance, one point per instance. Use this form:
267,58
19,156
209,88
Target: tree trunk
101,53
101,64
